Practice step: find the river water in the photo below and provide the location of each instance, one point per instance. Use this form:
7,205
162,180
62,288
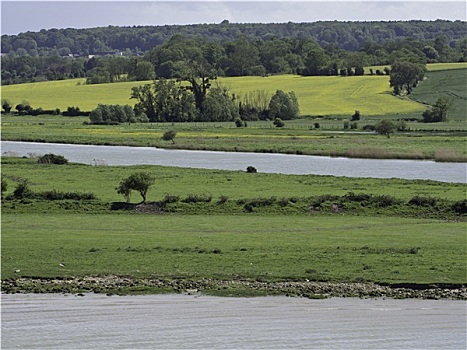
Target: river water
56,321
267,163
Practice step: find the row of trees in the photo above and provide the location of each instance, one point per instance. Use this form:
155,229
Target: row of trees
349,36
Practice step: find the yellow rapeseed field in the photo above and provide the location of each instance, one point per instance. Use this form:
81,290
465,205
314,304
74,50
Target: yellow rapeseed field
316,95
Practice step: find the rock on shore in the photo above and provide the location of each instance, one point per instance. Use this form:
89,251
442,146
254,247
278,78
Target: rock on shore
128,285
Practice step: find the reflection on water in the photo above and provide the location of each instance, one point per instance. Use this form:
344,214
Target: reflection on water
55,321
266,163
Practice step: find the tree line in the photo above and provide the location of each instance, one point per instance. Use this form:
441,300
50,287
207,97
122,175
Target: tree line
349,36
230,49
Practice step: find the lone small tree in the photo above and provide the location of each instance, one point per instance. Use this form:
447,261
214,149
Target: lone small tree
385,127
140,182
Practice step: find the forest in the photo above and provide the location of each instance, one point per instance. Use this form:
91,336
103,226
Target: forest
111,54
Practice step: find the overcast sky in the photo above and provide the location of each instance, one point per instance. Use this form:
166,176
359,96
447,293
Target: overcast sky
21,16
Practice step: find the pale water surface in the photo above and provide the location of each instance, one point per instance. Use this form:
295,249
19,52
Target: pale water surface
266,163
55,321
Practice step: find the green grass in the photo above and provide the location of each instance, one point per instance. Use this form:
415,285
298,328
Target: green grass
331,96
225,246
89,239
297,137
451,84
102,180
316,95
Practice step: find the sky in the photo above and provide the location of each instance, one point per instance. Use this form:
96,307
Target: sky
21,16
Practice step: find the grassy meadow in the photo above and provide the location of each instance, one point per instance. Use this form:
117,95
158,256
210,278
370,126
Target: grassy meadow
264,227
270,248
328,96
451,83
218,240
297,137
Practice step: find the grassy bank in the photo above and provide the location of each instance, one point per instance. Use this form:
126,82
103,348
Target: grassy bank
287,236
297,137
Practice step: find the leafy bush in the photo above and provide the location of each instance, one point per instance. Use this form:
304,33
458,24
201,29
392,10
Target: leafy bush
384,201
238,122
460,207
170,198
251,169
360,197
52,159
197,198
4,186
169,135
57,195
420,201
223,200
355,116
278,122
22,190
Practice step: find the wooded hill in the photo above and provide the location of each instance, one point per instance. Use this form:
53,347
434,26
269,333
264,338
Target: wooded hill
349,36
114,54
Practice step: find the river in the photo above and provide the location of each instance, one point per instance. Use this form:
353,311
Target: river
268,163
56,321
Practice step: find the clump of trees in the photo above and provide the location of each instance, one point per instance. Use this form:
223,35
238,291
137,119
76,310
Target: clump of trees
140,182
112,114
405,75
171,101
438,112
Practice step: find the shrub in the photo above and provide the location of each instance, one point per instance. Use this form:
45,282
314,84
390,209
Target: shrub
251,169
369,127
317,126
360,197
52,159
6,105
420,201
22,190
197,198
460,207
384,201
278,122
170,198
4,186
385,127
74,112
223,200
238,122
169,135
57,195
355,116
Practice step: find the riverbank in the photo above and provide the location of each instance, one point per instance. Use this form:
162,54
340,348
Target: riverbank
446,143
122,285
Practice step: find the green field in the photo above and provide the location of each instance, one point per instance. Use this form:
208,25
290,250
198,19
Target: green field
317,95
297,137
272,248
451,84
280,242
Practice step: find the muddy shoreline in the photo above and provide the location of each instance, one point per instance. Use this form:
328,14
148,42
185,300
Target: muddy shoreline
309,289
